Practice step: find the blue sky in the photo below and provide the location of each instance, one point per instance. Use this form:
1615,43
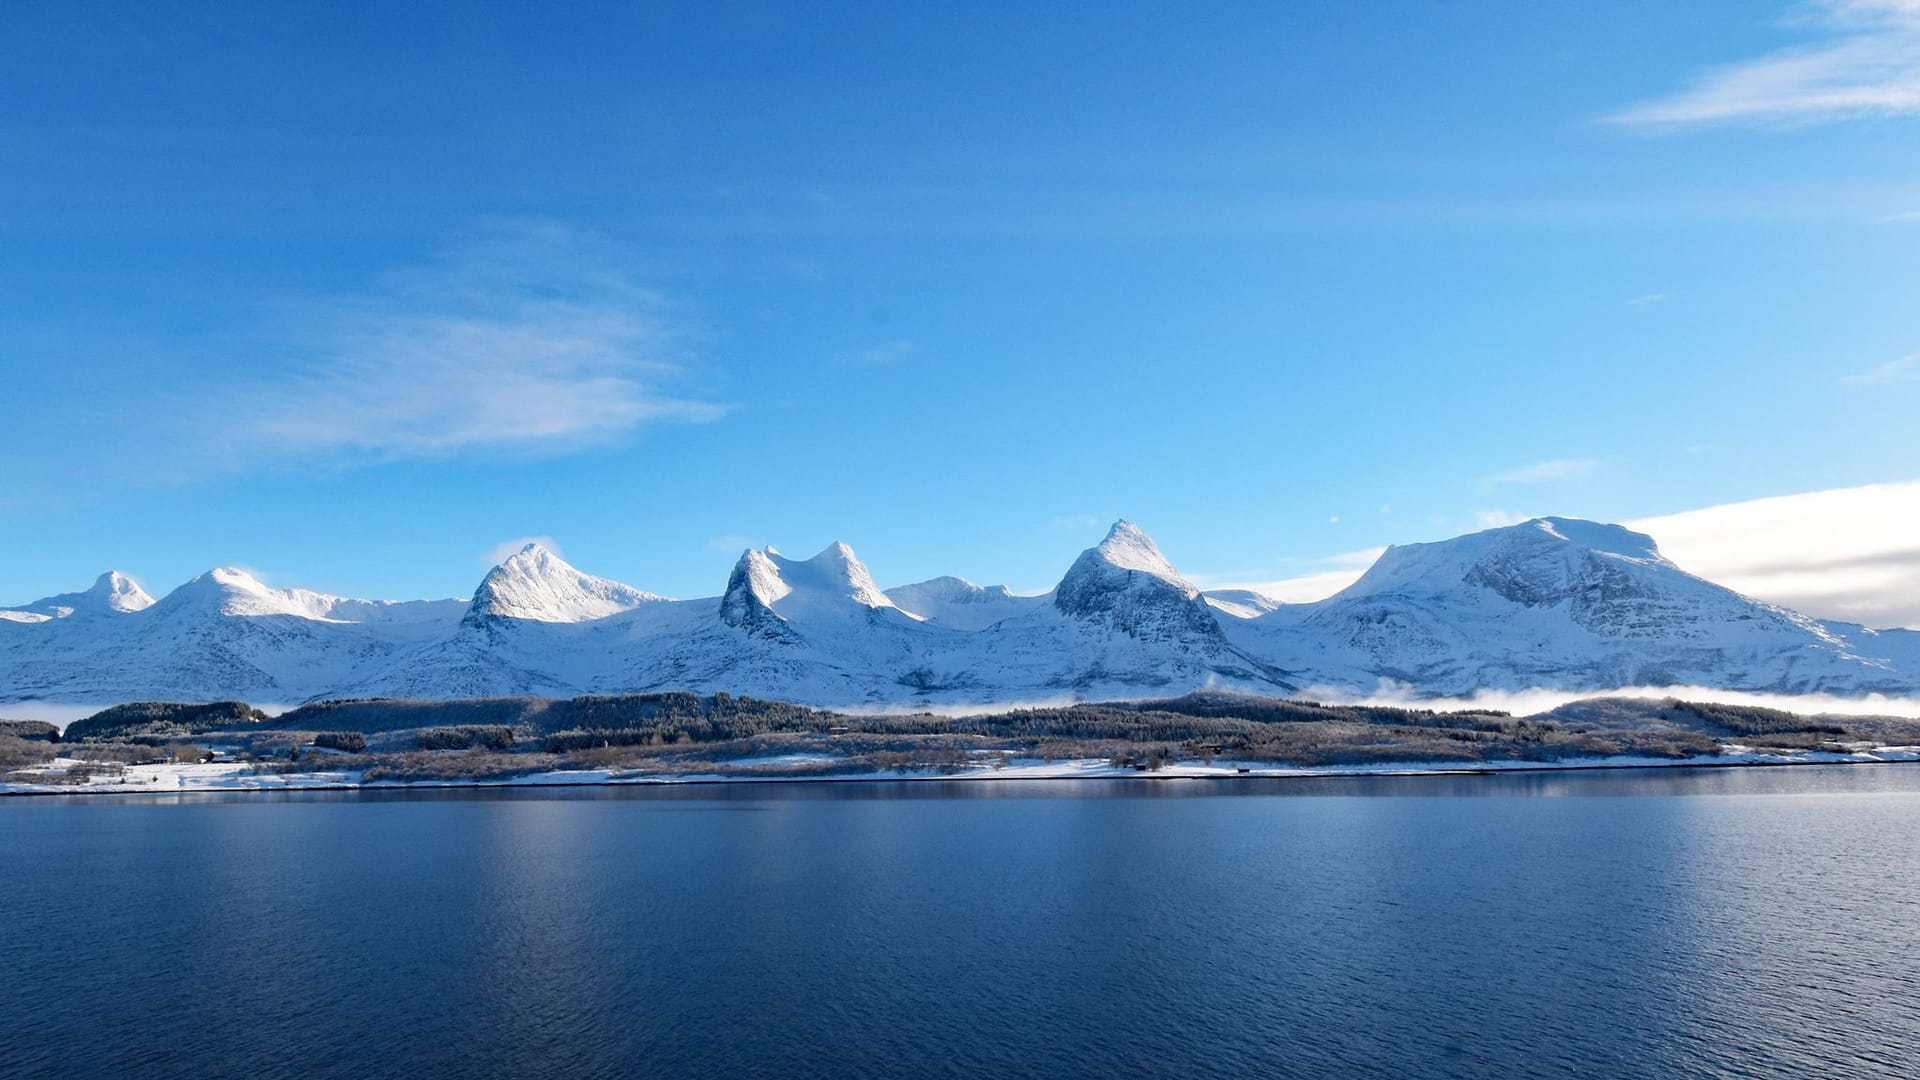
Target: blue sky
352,296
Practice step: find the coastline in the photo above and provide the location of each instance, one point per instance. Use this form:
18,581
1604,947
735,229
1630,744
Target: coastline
228,778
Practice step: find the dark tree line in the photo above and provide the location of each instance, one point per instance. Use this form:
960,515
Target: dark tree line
154,722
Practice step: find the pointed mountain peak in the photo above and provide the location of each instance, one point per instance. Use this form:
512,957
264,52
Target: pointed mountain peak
539,586
1130,548
766,588
837,570
1127,581
752,589
836,552
116,591
111,593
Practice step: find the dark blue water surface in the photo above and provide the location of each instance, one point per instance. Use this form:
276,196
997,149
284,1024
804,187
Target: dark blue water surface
1761,922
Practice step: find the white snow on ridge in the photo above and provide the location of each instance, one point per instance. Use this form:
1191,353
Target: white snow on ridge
1553,604
1128,548
537,585
1241,603
959,604
111,593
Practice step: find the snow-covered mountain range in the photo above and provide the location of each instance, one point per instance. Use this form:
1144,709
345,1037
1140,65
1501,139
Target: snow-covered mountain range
1553,603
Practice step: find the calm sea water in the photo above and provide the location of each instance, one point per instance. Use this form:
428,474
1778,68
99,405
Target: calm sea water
1658,923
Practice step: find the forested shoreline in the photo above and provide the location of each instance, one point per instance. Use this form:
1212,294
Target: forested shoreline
684,733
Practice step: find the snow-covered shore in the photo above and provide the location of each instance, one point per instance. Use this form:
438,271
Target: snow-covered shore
234,776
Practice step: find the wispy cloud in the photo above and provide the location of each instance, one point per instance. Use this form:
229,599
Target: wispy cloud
1649,299
1905,369
1866,64
1845,553
480,354
522,340
1546,472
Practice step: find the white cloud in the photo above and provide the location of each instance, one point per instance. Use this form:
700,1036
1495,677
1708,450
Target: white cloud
1868,64
1648,299
1849,553
1546,472
522,341
506,549
1324,578
1905,369
479,359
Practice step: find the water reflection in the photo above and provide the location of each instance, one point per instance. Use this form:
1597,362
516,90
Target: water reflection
1716,922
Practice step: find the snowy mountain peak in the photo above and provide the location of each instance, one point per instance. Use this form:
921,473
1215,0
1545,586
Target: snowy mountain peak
835,570
947,589
112,593
115,591
765,581
1552,603
1612,539
1534,562
1128,548
536,585
1126,552
229,590
752,589
1555,602
1126,581
233,577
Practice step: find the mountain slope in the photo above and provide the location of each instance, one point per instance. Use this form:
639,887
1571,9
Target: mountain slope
224,634
538,585
1122,622
1555,603
112,593
1240,603
959,604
